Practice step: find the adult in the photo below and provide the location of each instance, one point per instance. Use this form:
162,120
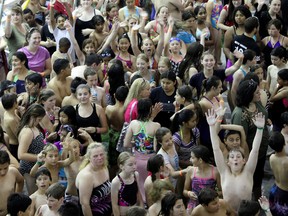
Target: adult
95,194
248,104
175,7
31,142
129,9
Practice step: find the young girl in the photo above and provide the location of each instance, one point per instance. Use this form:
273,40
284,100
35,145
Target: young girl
259,71
278,59
202,175
168,151
183,97
124,189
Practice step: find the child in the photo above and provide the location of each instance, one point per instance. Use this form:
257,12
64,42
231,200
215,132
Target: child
168,151
124,188
50,157
284,131
258,70
208,200
279,163
202,175
97,93
67,116
98,35
19,204
106,55
11,181
236,177
43,181
55,197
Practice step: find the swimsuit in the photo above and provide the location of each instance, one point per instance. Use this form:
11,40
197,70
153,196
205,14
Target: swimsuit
128,62
215,14
143,142
127,195
199,32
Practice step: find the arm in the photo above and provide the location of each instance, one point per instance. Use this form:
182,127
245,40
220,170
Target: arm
278,95
187,186
259,122
178,4
68,10
228,38
8,27
52,17
115,186
85,189
128,136
221,20
160,46
236,80
67,148
268,82
168,36
209,7
111,38
25,138
19,181
103,121
48,67
236,65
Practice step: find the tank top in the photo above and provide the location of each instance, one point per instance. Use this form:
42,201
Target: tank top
128,62
127,195
143,142
20,84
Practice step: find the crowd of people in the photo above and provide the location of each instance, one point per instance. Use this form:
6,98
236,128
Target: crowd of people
113,107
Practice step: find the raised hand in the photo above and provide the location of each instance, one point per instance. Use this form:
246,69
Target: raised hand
220,111
211,117
264,203
259,120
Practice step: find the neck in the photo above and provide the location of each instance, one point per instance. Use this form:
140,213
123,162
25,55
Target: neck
281,154
185,130
203,166
284,132
208,72
125,175
61,77
272,13
209,95
249,34
33,48
246,68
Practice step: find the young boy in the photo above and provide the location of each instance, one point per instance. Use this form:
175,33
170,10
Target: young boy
43,181
55,197
11,121
10,180
98,93
19,204
62,81
50,156
210,204
236,175
98,36
29,17
279,165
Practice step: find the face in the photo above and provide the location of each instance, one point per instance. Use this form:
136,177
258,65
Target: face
218,89
213,206
275,6
27,212
190,23
148,47
236,161
124,44
162,67
129,165
175,46
236,3
201,14
113,12
239,18
145,93
89,48
16,17
131,22
35,39
208,62
99,27
83,95
50,102
192,122
273,31
4,169
29,18
31,87
16,62
43,182
53,203
36,121
86,3
52,157
256,96
178,208
281,82
142,65
63,118
163,14
76,148
194,160
97,157
60,22
130,3
276,60
92,80
167,141
179,99
260,73
233,141
168,85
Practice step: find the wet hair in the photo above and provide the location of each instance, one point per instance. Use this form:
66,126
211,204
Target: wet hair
18,202
236,150
160,133
136,210
89,71
144,109
153,165
250,24
121,93
22,57
44,95
93,58
49,147
115,77
284,118
8,100
56,190
227,133
243,10
83,86
202,152
197,9
279,52
245,93
277,141
206,196
123,157
248,208
70,112
192,58
276,22
252,76
283,74
75,83
186,92
69,209
180,118
85,42
6,85
4,157
210,82
28,11
98,20
168,202
43,171
64,42
248,55
170,75
159,186
33,111
35,78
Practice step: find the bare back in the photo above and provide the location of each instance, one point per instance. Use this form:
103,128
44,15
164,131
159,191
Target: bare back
279,166
115,116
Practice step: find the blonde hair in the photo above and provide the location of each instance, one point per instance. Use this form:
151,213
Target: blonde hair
86,159
165,60
158,187
134,92
123,157
49,147
143,57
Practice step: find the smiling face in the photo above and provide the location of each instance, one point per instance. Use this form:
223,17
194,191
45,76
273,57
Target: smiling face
275,6
124,44
16,17
167,141
60,22
162,67
236,3
86,3
16,62
233,141
83,95
29,18
34,40
142,65
208,61
89,48
49,103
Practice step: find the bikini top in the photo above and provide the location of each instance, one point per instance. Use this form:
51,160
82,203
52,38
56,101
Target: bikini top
199,32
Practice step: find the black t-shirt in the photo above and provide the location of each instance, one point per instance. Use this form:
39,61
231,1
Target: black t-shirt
45,33
158,95
264,20
196,81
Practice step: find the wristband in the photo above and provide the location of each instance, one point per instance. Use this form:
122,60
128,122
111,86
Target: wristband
267,210
39,163
96,130
180,173
42,74
260,128
219,120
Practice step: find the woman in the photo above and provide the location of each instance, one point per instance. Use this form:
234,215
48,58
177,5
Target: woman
248,104
172,205
31,143
142,132
15,30
38,56
89,116
20,70
94,195
129,9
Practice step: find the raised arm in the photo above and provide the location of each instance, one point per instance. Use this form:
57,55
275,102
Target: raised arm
8,27
168,36
52,17
160,45
237,65
259,122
